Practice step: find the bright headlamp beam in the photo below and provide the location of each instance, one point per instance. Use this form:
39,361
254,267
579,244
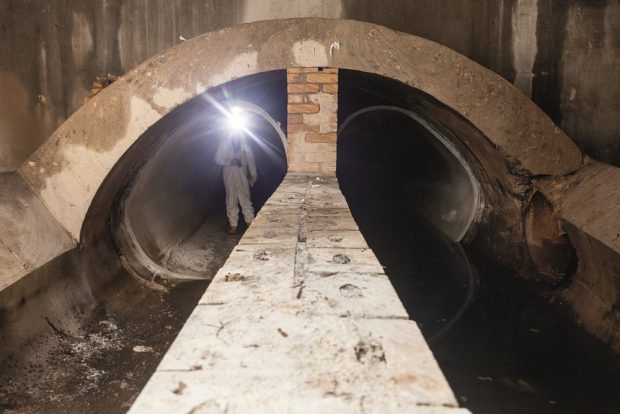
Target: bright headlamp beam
236,119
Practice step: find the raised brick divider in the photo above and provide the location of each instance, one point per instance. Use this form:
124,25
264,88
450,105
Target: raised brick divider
312,119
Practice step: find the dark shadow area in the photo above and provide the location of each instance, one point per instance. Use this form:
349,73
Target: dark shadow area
386,170
513,350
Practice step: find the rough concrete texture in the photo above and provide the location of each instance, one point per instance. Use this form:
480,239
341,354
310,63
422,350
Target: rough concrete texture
301,318
588,205
68,169
51,51
29,235
590,91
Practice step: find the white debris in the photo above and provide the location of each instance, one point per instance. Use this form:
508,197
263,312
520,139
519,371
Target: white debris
109,325
142,348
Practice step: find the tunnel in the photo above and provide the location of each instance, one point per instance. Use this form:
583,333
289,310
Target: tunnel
172,206
458,202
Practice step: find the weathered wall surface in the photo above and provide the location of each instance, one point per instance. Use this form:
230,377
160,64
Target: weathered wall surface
564,52
588,207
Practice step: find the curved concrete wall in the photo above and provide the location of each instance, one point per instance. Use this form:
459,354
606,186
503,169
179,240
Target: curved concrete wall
69,168
562,54
439,184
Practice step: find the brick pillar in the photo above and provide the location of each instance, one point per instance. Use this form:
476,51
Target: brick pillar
312,119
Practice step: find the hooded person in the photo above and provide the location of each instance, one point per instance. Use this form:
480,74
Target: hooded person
235,155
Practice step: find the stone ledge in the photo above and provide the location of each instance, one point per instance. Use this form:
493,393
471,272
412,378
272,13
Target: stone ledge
306,321
29,235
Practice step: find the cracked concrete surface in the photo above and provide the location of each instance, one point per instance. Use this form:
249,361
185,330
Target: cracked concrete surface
289,325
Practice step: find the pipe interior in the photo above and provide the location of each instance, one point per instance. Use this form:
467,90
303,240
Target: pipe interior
174,211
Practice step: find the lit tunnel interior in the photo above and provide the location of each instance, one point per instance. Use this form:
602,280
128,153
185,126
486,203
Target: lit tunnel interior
172,218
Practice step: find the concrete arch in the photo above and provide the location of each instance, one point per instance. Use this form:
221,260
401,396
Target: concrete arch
459,232
70,166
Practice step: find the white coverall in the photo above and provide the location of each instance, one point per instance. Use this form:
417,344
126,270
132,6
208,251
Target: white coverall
235,155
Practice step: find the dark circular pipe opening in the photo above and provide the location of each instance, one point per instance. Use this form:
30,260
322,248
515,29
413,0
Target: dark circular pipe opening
413,195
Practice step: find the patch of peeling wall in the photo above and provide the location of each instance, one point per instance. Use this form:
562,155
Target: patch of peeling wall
525,49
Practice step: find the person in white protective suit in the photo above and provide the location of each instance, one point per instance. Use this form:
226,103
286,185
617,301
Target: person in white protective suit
235,155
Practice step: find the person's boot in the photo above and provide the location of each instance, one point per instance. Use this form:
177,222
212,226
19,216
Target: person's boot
232,230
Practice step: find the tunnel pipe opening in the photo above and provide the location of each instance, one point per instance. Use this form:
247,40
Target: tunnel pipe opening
457,202
495,234
400,181
170,202
405,160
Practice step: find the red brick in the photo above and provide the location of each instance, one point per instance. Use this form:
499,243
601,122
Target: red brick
330,88
295,77
303,108
303,88
295,119
297,98
322,77
303,128
329,137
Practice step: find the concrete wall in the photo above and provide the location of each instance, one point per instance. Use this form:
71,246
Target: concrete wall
565,53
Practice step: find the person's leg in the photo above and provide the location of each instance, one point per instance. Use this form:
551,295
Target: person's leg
245,199
232,206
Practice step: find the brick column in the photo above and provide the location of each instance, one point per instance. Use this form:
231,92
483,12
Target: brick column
312,119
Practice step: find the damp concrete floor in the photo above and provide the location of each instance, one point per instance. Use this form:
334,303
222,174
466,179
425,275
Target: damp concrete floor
103,367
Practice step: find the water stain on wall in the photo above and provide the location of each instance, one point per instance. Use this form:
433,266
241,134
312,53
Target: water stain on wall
19,136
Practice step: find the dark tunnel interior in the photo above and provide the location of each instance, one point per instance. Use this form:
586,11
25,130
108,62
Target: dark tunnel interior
412,197
502,348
